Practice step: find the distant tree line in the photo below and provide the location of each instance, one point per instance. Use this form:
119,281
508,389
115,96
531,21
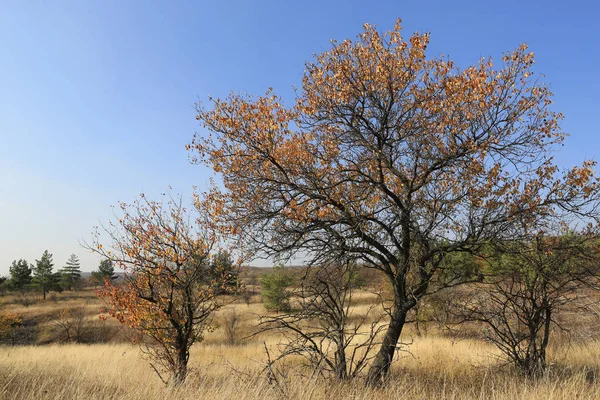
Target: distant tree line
41,276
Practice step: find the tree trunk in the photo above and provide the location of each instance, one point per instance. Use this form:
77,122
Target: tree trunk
180,373
181,370
44,293
545,339
341,368
383,359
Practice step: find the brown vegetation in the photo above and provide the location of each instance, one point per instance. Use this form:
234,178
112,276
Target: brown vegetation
439,364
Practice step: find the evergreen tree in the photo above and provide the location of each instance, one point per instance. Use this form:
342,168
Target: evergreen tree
43,277
20,274
223,271
70,273
106,270
275,293
3,284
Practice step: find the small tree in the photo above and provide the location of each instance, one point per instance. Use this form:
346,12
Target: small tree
43,277
275,293
72,324
106,271
20,274
231,321
169,293
224,271
70,273
529,281
3,285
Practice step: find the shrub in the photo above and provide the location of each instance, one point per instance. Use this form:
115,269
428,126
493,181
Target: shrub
9,323
275,293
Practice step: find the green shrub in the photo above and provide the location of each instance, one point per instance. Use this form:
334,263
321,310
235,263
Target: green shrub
275,294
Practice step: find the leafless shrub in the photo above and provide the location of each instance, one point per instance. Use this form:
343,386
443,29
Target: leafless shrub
530,281
25,300
321,331
231,321
246,296
72,325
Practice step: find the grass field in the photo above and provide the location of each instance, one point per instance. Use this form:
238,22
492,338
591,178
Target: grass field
433,366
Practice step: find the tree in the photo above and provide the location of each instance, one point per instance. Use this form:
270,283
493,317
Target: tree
20,274
72,324
393,158
106,271
275,293
43,277
225,272
3,284
528,281
70,273
168,295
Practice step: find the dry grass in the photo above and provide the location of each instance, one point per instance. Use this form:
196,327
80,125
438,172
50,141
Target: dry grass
430,367
437,368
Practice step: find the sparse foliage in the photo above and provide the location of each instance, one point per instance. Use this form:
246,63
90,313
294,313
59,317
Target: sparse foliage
169,292
321,330
231,322
531,279
72,324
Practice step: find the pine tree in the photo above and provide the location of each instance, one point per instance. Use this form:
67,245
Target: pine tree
275,293
223,271
43,277
106,270
20,274
70,273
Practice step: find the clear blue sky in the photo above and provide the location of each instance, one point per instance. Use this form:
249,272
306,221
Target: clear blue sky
96,97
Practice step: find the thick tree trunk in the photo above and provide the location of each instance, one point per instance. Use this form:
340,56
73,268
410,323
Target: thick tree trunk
382,361
180,373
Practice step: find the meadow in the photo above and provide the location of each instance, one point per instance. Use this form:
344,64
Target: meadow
434,364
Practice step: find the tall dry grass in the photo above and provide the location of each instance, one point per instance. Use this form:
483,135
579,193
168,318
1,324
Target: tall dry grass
437,368
433,366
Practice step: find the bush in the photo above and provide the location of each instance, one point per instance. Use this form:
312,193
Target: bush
231,321
9,324
275,293
72,325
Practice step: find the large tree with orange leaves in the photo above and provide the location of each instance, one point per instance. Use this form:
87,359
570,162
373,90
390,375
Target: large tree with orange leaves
169,293
392,158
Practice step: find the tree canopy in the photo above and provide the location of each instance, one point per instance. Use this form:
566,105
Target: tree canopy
391,158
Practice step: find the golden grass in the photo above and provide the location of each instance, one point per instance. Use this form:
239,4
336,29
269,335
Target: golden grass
430,367
437,368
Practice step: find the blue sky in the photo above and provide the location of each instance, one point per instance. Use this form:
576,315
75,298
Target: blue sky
96,97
